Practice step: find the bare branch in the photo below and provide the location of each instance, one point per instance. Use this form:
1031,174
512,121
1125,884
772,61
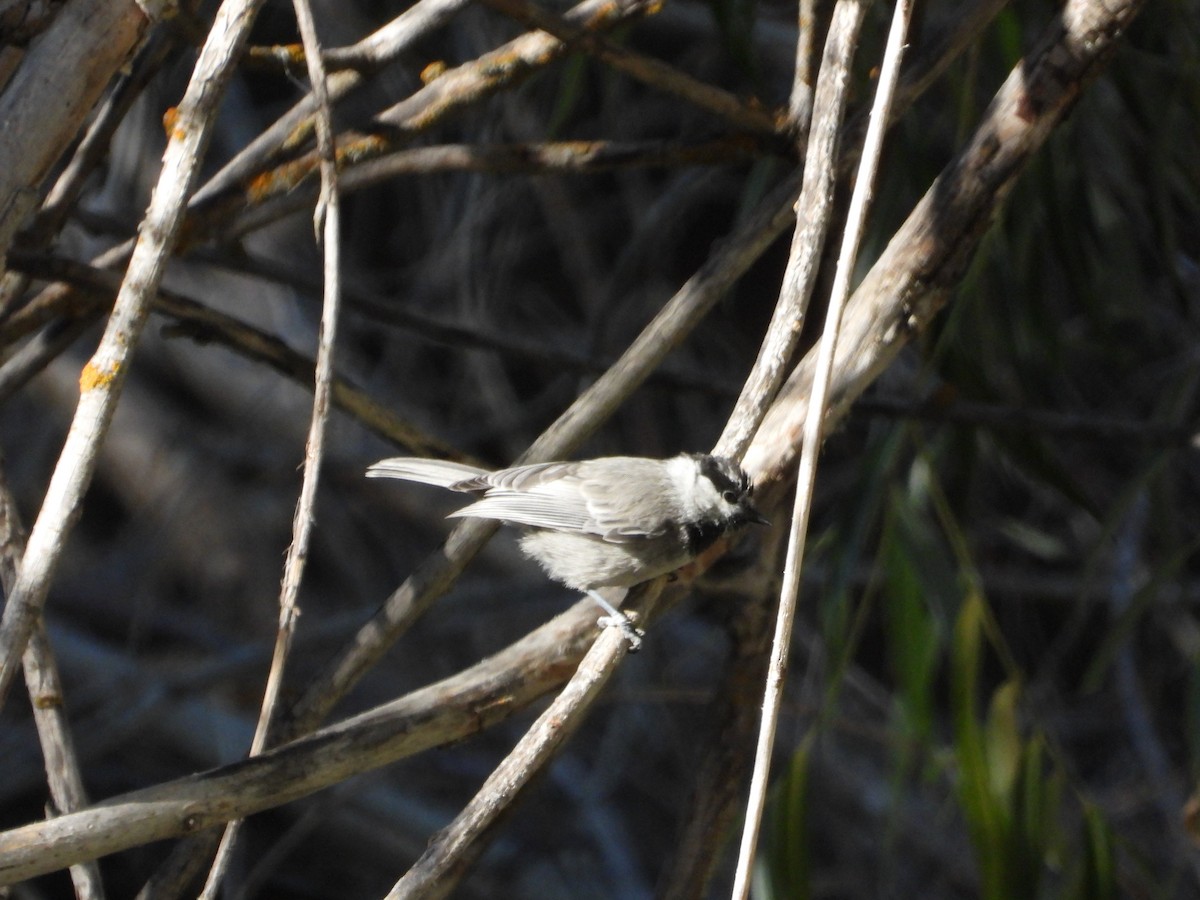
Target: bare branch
447,711
45,687
926,257
456,847
56,85
806,478
327,216
104,375
813,209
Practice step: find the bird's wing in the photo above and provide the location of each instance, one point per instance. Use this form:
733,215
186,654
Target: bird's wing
612,498
537,509
439,472
543,495
519,478
624,498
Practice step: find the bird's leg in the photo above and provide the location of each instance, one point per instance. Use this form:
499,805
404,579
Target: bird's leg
615,617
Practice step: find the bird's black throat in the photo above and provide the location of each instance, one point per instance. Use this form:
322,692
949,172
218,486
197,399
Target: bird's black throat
699,536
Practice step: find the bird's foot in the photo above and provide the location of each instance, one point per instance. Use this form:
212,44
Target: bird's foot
633,634
618,619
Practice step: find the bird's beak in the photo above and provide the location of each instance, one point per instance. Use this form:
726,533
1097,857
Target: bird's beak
754,517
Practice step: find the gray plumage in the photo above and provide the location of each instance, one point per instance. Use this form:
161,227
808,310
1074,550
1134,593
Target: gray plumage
610,522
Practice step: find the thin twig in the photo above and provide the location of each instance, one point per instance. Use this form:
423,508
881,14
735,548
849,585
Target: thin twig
650,71
584,157
449,710
814,210
453,850
204,324
451,92
925,259
327,221
63,774
39,351
800,101
806,477
297,125
104,376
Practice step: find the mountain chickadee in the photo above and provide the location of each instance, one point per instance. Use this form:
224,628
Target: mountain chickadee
610,522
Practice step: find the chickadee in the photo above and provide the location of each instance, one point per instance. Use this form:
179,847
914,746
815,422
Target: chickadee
611,522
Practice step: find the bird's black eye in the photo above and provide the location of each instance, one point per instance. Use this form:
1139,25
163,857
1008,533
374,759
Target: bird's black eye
730,496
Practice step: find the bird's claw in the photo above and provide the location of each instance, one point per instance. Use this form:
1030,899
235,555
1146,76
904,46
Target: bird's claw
633,634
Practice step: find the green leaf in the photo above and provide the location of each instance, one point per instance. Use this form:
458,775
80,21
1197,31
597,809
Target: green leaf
1004,744
987,816
1096,878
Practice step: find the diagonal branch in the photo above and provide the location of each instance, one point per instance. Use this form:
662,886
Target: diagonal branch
103,377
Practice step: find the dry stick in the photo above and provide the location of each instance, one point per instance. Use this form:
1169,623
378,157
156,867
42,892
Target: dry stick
452,709
63,774
53,90
104,375
806,477
39,351
326,219
800,101
57,300
532,158
911,281
814,210
652,72
207,325
505,65
92,149
449,93
454,849
296,125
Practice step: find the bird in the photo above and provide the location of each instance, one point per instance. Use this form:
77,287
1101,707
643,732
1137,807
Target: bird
609,522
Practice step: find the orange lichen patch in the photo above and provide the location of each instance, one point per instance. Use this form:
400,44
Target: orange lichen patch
432,71
47,701
300,134
93,377
287,55
279,180
170,119
361,148
610,12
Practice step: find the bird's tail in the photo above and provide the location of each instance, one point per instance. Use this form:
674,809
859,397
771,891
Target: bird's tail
437,472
